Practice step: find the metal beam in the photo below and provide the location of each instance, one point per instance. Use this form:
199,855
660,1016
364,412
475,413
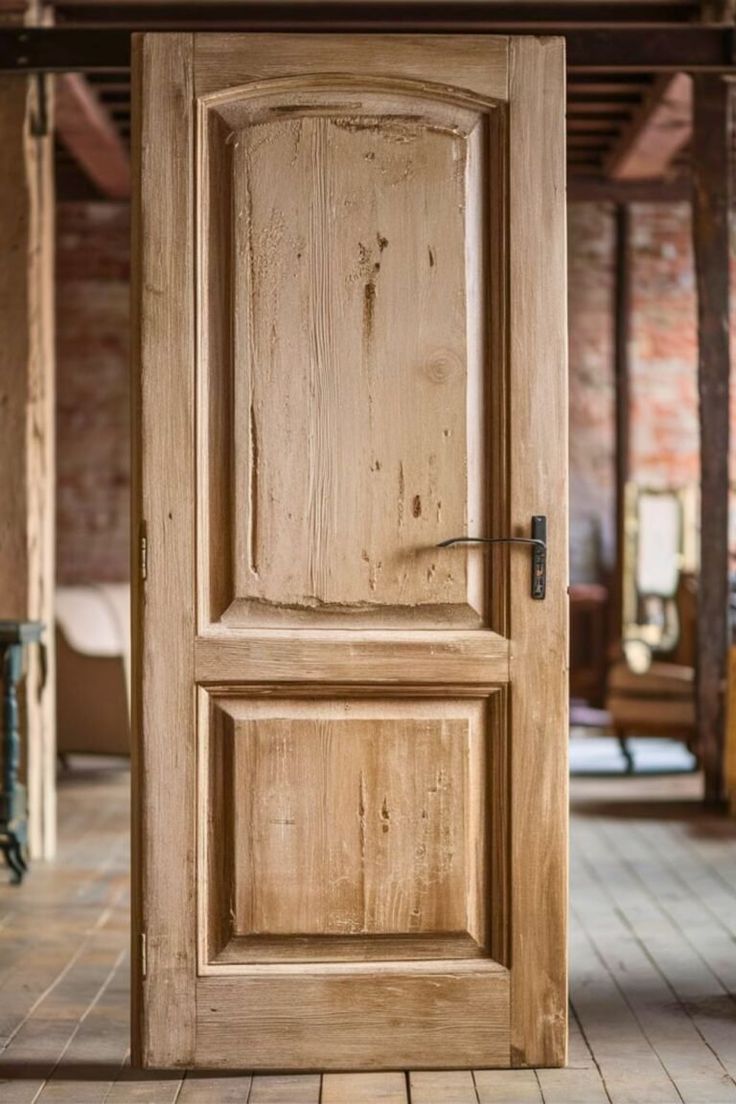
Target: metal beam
590,48
501,11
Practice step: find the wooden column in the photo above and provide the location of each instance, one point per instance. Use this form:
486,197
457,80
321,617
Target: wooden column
621,337
710,209
27,474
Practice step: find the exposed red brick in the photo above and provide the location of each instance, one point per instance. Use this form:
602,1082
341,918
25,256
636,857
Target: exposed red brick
664,412
93,424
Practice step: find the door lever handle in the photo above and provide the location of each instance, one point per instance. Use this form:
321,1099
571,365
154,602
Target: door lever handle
537,541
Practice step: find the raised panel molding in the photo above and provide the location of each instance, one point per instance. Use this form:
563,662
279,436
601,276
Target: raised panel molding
345,251
345,827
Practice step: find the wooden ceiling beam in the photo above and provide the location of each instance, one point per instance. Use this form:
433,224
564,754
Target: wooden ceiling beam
658,132
589,105
595,189
607,124
86,128
711,170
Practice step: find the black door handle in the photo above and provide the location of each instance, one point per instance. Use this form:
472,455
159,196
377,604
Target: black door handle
537,541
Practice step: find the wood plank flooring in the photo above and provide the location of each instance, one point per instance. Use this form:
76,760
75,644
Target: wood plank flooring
653,968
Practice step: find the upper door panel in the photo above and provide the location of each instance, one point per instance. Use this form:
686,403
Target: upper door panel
347,242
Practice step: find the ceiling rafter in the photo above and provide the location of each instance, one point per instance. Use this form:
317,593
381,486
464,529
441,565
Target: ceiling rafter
659,131
87,130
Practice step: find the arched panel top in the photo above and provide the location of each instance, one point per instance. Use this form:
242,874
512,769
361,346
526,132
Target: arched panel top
436,106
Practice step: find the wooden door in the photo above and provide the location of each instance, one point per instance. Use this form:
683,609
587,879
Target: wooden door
351,744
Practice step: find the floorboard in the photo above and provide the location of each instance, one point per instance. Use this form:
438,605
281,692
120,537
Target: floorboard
285,1089
652,983
363,1088
440,1087
696,1073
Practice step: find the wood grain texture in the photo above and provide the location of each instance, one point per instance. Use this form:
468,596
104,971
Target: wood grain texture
364,336
451,1014
356,826
538,413
445,657
474,62
357,817
163,366
27,440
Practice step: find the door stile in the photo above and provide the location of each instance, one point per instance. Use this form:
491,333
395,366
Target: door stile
538,464
164,914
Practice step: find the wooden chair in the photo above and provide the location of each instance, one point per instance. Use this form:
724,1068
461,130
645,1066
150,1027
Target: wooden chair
659,701
651,687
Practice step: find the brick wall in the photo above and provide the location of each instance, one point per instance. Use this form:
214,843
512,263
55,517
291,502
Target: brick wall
590,291
664,426
663,360
93,420
93,424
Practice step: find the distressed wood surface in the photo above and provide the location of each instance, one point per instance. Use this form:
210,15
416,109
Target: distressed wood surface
364,337
354,260
402,657
539,679
387,852
478,63
366,488
254,1013
164,615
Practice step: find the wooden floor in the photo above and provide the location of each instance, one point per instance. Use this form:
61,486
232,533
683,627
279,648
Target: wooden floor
653,968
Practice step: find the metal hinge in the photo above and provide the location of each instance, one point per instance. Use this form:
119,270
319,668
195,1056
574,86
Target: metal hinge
144,960
143,552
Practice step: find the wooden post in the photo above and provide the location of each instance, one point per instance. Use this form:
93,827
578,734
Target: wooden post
27,413
622,334
710,209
